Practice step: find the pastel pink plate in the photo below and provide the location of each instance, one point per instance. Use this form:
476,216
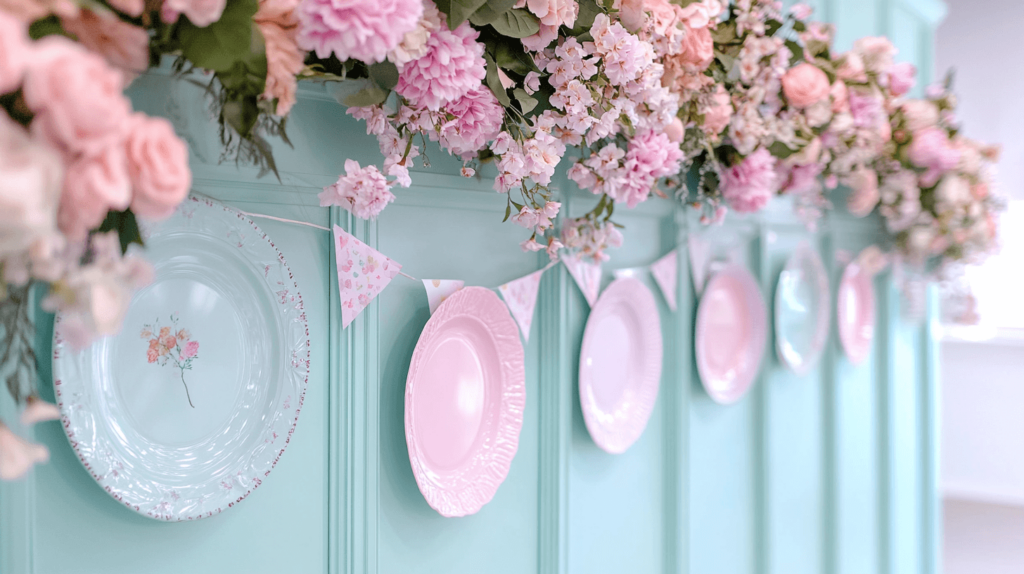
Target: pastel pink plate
855,312
732,329
464,401
620,364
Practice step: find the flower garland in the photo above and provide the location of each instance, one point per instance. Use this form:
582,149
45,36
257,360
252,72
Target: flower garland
716,104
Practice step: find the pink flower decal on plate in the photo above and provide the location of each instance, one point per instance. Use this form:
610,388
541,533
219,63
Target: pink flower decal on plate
171,346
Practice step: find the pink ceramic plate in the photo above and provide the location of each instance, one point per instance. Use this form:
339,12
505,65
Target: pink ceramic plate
464,401
731,334
620,364
855,312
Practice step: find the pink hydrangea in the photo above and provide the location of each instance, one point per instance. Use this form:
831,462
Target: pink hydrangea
748,186
476,121
362,190
453,66
362,29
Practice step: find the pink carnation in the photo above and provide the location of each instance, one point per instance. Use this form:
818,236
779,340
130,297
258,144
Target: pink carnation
76,96
15,52
454,65
279,26
477,121
805,85
362,29
748,186
363,191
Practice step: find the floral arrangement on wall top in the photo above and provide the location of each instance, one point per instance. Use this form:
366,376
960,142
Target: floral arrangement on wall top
717,105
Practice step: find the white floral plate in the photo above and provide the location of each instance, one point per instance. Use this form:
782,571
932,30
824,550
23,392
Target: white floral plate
802,310
187,410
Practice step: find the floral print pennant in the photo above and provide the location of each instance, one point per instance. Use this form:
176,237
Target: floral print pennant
363,272
521,297
665,272
587,276
440,289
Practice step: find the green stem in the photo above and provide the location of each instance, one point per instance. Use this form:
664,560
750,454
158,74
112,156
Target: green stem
186,389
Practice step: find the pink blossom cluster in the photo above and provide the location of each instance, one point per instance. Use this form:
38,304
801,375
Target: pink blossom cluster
628,176
364,191
590,239
534,159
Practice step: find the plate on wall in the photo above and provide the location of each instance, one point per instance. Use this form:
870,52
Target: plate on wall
464,400
855,312
731,334
802,310
620,364
187,410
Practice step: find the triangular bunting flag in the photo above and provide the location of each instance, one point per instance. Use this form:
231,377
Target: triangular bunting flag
521,297
440,289
363,272
699,251
665,272
587,276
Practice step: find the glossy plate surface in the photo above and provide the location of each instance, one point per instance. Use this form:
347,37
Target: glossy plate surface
620,364
802,310
731,334
464,400
855,312
188,409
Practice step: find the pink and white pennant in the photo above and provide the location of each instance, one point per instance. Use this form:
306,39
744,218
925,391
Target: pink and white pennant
440,289
521,298
363,272
666,273
587,276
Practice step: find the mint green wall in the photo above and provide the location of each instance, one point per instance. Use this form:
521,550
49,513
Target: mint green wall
832,472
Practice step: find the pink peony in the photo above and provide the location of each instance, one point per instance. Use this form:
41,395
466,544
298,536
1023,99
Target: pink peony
748,186
158,165
453,66
553,12
15,52
93,185
17,456
363,191
279,26
202,13
930,148
718,113
805,85
124,45
901,78
476,121
698,49
362,29
864,195
76,96
191,348
414,43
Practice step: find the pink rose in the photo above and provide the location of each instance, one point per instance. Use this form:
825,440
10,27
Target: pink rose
123,45
805,85
901,78
76,96
15,52
202,13
190,350
698,48
93,185
864,195
674,130
718,114
158,165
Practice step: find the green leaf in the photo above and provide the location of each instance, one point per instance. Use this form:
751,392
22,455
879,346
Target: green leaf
508,212
228,40
384,74
525,100
491,10
48,26
796,49
772,26
517,23
494,83
458,10
126,226
799,26
585,18
509,55
241,114
370,95
781,150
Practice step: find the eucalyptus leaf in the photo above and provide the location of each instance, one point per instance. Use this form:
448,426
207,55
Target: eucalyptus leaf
516,23
491,10
458,11
384,74
494,82
526,101
218,46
